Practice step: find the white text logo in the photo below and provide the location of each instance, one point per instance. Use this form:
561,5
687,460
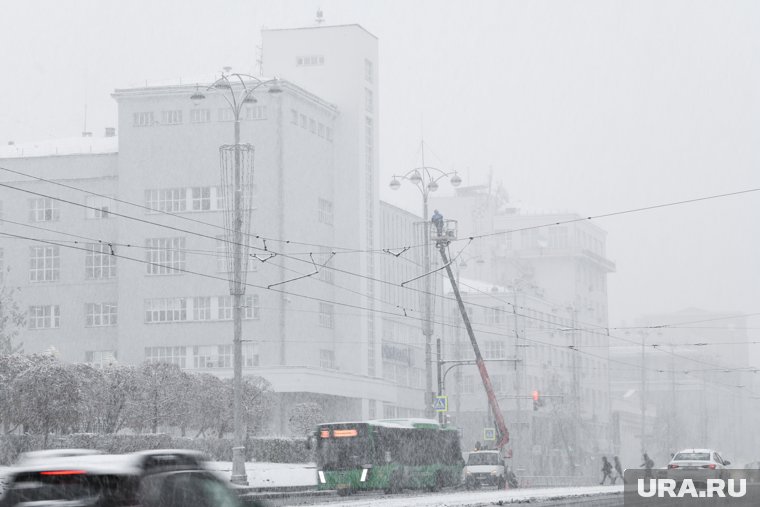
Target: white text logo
713,488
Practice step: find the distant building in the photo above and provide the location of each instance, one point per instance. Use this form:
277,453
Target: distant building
536,292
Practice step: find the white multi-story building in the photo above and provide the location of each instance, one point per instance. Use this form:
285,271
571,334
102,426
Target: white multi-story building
119,249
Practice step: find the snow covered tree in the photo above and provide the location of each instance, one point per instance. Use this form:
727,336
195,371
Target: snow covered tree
118,394
11,366
304,417
48,397
159,387
11,320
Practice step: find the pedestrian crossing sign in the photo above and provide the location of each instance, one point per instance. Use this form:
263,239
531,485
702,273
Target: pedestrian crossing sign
441,403
489,433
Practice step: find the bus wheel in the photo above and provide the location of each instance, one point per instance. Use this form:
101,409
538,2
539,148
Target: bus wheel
343,491
439,482
394,485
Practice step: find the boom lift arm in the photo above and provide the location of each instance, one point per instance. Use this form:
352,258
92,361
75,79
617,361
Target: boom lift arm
492,401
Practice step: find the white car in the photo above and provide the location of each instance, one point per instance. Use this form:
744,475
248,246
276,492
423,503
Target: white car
697,465
484,468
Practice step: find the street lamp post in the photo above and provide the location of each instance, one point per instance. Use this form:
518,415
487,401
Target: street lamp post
237,184
426,180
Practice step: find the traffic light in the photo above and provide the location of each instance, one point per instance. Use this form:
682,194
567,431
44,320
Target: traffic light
536,401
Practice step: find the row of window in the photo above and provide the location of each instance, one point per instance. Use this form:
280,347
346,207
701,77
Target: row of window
46,209
49,316
197,115
202,356
196,309
199,309
307,122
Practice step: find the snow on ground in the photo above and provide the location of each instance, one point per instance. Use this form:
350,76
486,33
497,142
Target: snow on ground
271,475
475,498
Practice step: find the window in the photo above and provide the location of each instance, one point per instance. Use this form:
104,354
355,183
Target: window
226,114
327,359
171,355
100,358
256,113
250,307
494,349
212,356
100,314
165,310
99,262
44,209
326,273
97,207
165,256
328,133
310,60
166,199
325,211
494,315
173,117
368,101
368,71
143,119
201,198
200,115
499,383
326,315
250,355
44,317
321,129
201,308
312,125
45,264
294,117
303,121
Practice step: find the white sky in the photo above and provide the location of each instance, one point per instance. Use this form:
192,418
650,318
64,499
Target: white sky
586,106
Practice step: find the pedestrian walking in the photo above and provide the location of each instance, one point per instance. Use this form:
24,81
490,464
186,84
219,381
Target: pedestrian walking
618,469
606,470
648,465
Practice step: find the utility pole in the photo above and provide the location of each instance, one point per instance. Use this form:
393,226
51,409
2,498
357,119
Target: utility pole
643,393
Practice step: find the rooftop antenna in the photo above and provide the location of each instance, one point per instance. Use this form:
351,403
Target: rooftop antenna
320,17
260,59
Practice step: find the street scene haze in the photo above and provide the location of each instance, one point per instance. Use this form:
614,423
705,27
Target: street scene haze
295,252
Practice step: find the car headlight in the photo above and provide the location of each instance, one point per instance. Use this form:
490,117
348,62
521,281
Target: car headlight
494,472
466,472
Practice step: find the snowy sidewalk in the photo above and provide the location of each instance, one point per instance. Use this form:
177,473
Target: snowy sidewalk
271,475
480,498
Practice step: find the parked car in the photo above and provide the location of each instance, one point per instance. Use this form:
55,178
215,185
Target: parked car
159,478
697,465
485,468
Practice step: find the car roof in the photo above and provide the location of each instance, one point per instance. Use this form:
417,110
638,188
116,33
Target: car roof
33,456
119,464
696,450
483,451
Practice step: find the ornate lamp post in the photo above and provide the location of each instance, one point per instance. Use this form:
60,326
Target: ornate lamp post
426,180
236,162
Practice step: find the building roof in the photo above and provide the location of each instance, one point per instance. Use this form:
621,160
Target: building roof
57,147
321,27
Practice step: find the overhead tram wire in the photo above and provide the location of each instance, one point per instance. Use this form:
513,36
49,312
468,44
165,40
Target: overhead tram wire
224,279
376,251
347,250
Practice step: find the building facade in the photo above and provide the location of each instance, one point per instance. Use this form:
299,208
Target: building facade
127,261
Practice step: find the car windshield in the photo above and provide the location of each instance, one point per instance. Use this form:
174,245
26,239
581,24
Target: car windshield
483,458
692,456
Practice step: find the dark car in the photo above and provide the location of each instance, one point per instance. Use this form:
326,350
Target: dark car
163,478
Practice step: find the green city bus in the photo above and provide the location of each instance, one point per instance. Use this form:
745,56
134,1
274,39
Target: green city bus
388,455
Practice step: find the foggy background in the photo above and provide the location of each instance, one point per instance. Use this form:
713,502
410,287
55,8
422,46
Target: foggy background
588,106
